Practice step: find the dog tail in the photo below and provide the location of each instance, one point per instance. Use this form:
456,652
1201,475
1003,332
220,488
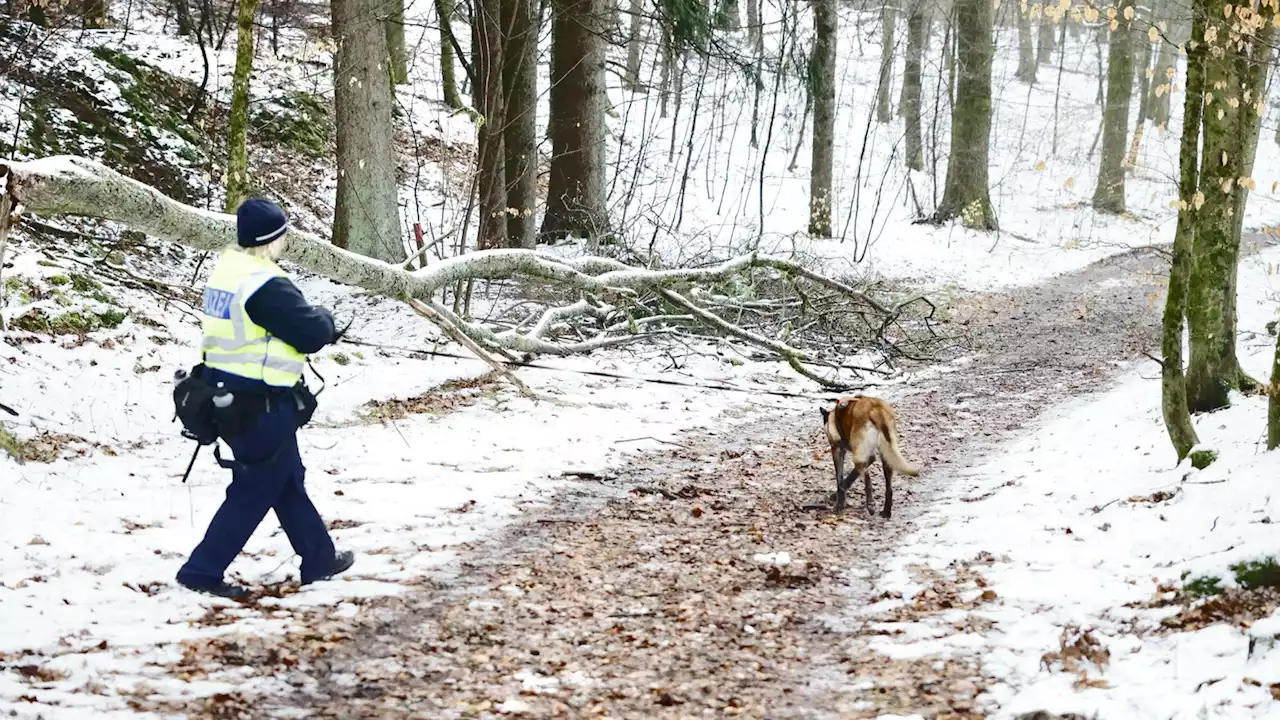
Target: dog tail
888,428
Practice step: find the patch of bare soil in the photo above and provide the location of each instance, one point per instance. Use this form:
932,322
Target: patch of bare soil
694,583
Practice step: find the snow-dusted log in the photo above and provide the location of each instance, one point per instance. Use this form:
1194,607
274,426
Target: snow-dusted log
620,303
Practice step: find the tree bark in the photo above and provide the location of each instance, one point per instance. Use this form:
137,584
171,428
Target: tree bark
884,111
366,218
635,47
1108,196
395,43
575,200
488,98
1162,83
728,15
520,81
1142,69
1214,369
1173,386
917,27
238,123
755,30
1026,48
822,87
967,194
448,79
1046,44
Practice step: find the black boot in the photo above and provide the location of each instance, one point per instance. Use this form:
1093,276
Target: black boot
220,589
341,563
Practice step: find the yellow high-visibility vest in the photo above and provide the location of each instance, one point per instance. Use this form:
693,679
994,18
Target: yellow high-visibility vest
232,342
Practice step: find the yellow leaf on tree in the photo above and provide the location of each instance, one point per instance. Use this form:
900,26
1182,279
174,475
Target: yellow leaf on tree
1070,183
1164,26
1227,10
1064,5
1114,24
1247,182
1091,14
1153,34
1221,113
1274,185
1208,99
1150,73
1111,13
1197,200
1128,13
1039,165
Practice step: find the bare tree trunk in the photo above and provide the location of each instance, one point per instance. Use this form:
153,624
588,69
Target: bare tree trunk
237,126
822,87
366,216
1047,33
884,113
917,27
967,194
664,81
1108,196
395,42
1101,95
1026,48
1144,72
486,52
1162,83
575,199
1173,386
754,29
728,15
635,45
520,83
448,80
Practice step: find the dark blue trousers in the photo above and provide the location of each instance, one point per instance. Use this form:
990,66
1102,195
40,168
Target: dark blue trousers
268,483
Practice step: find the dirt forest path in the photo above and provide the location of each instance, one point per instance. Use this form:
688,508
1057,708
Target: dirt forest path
651,594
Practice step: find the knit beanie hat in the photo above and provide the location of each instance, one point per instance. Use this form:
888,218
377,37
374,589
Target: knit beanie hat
258,222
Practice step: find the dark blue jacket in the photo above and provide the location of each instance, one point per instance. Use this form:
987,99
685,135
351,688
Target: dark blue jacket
279,307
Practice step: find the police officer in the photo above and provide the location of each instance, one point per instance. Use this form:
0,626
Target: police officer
258,329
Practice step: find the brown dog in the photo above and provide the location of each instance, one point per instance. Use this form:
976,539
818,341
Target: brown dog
865,426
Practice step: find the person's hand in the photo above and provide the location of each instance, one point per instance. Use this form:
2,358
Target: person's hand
338,335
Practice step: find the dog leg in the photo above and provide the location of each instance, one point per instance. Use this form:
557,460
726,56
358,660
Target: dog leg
837,456
888,490
866,487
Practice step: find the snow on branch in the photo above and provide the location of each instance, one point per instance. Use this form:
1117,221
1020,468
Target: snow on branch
616,303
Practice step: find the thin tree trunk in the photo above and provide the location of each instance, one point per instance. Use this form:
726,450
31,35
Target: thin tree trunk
1047,34
1173,386
395,43
183,13
237,126
1026,48
520,83
664,81
754,29
448,79
366,215
822,87
1144,72
1101,96
967,194
575,200
884,113
917,26
634,47
1108,196
1162,83
728,15
489,101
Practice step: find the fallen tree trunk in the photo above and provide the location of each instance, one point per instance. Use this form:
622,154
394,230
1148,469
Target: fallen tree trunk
67,185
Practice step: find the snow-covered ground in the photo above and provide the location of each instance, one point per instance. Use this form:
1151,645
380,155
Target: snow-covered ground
1087,517
92,539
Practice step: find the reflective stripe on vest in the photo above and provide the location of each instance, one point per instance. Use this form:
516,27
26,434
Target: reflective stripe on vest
233,343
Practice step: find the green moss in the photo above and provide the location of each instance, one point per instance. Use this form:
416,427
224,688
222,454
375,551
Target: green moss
340,358
12,446
66,113
1201,459
1253,574
84,283
298,121
76,322
59,280
1203,586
